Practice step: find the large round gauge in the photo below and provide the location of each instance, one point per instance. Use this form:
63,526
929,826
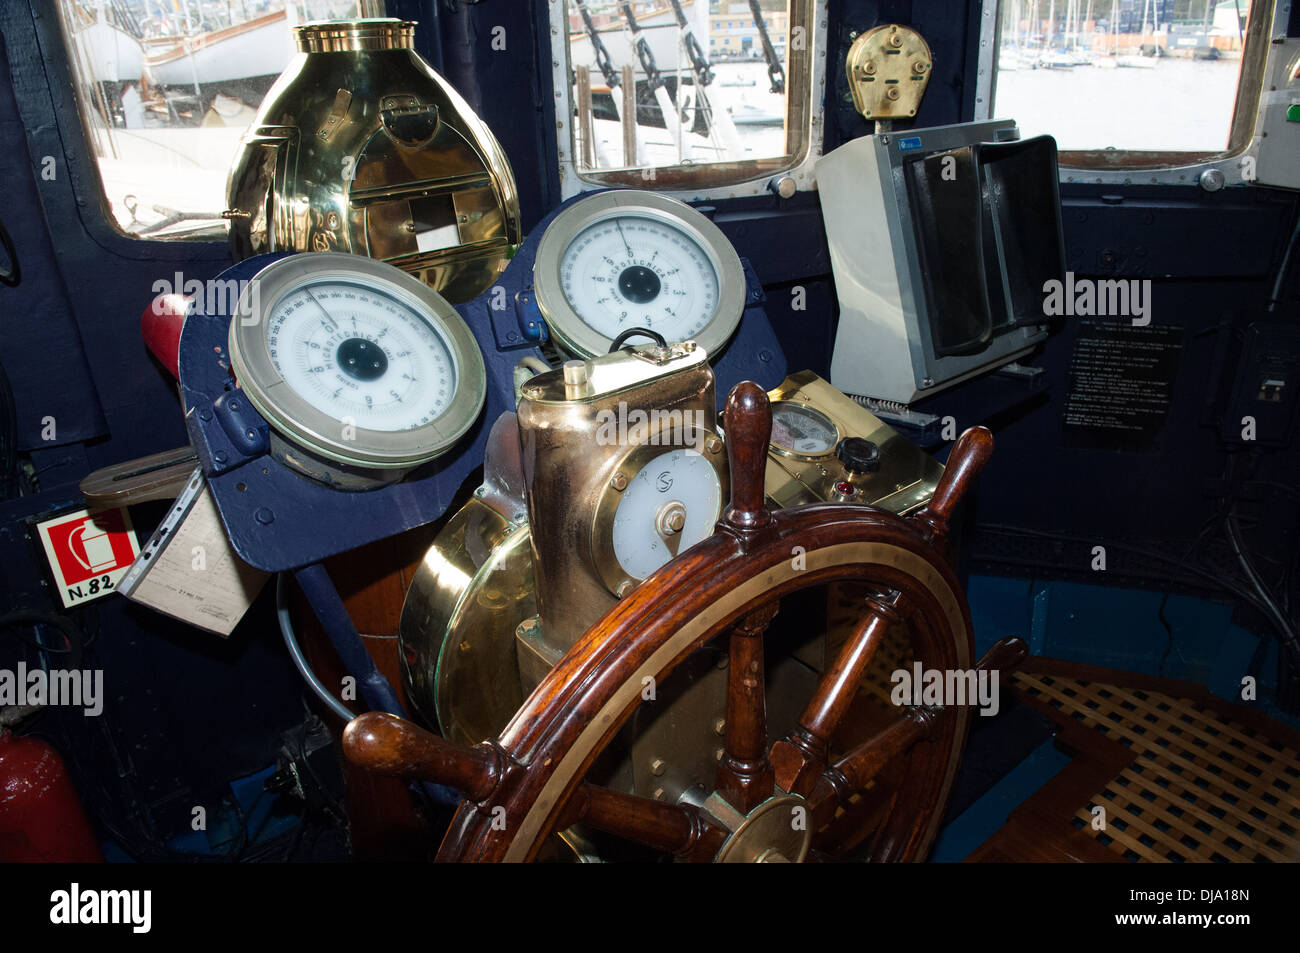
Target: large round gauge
801,431
660,502
628,259
355,362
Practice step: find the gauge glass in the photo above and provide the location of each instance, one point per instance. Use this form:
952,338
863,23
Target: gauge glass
361,355
630,271
801,430
355,361
669,506
625,259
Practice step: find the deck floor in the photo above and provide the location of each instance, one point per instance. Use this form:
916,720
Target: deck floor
1161,771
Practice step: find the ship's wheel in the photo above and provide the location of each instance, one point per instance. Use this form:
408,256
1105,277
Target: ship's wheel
807,795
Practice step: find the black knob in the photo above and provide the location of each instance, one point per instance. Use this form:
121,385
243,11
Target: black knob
858,455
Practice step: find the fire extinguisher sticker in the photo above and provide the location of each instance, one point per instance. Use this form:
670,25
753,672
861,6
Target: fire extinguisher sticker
88,552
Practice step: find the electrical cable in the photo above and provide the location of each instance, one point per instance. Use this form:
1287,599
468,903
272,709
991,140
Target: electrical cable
1283,268
1169,629
534,364
295,653
1243,559
633,332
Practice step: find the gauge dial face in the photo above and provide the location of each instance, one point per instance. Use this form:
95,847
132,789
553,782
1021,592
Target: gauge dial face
802,431
629,271
361,354
355,361
669,506
619,260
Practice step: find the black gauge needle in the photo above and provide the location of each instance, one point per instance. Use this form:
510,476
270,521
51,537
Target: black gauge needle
619,226
333,325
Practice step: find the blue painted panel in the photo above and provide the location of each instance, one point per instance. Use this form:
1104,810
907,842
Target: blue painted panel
982,819
278,519
39,330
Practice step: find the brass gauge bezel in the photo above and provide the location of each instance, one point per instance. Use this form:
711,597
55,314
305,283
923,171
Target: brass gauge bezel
604,562
301,423
795,454
568,327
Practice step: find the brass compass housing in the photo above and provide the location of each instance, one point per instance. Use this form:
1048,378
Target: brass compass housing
361,147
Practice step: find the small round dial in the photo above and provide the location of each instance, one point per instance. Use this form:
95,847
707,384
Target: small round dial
359,353
801,431
628,271
355,362
669,506
621,260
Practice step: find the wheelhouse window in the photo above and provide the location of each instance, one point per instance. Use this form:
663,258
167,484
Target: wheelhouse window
684,93
1158,80
166,90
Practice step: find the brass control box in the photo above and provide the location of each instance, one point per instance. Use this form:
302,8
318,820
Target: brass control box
826,447
623,468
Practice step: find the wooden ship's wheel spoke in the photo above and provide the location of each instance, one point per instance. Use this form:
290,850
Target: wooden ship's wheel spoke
745,778
800,758
819,791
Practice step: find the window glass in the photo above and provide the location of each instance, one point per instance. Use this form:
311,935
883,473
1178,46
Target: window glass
165,91
687,91
1148,75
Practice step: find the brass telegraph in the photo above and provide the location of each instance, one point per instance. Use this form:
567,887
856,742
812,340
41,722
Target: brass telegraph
360,146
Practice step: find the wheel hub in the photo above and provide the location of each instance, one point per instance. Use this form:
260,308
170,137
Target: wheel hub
775,832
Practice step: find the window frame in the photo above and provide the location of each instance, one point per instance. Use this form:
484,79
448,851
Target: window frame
1141,167
53,31
667,179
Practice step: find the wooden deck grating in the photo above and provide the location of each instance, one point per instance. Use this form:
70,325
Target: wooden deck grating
1181,775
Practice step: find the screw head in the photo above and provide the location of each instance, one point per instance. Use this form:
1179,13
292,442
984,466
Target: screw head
713,445
658,766
619,482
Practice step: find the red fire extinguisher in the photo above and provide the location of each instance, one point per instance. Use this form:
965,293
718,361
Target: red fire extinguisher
40,816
